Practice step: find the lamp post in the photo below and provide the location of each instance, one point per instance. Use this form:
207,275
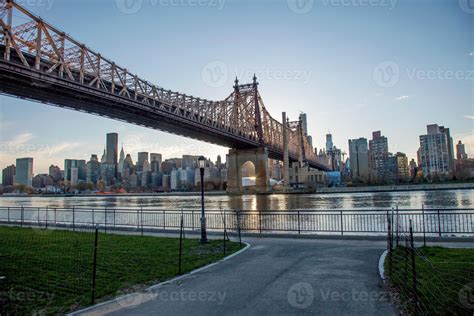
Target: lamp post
202,165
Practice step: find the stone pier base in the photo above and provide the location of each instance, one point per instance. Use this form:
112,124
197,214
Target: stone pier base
236,158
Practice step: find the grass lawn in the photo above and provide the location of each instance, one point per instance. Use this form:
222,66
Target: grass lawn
444,280
50,271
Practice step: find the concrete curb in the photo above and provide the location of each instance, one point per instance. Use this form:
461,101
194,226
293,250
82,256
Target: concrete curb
381,264
90,310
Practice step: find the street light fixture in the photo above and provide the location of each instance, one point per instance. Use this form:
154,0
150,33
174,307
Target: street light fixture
202,165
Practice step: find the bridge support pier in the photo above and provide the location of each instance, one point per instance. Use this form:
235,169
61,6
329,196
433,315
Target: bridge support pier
236,158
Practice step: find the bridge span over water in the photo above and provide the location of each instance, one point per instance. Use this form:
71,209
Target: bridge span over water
42,63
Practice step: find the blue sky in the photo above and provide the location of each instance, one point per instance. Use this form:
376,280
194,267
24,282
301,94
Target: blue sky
354,66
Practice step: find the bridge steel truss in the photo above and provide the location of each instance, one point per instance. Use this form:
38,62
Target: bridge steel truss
41,63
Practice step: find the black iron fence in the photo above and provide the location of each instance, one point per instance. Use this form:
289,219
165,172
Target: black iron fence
439,222
428,280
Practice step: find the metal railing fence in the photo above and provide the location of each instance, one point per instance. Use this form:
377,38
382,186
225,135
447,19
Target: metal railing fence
432,222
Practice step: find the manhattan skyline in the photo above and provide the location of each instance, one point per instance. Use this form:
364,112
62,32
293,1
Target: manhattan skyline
332,76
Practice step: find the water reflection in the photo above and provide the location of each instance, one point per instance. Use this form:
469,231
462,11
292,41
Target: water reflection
383,200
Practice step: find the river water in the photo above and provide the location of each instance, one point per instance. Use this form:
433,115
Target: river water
347,201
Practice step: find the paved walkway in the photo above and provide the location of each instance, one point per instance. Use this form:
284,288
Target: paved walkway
275,276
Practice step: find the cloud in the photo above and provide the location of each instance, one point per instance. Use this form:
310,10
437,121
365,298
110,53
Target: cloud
471,54
20,139
402,97
471,117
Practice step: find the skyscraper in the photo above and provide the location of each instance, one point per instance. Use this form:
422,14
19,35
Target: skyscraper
378,154
142,157
460,151
329,143
112,148
359,156
24,171
8,175
434,153
155,162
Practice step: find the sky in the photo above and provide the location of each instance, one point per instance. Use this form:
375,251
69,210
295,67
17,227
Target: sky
354,66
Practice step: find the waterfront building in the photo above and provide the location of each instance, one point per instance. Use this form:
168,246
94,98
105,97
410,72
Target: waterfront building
103,159
112,148
155,162
189,161
142,157
167,167
378,154
120,163
174,179
303,176
68,165
156,180
166,182
8,175
413,168
465,169
81,170
358,153
186,178
460,151
55,173
42,180
93,170
403,170
74,176
434,152
329,143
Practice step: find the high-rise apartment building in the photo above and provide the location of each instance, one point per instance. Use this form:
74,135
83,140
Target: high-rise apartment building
434,152
24,171
359,156
112,148
460,151
142,157
378,155
329,143
8,175
155,162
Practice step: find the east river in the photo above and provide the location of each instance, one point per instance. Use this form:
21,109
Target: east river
440,199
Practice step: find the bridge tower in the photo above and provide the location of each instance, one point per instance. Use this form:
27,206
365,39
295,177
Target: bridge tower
257,156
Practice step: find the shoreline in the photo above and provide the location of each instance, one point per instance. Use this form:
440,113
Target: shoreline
339,190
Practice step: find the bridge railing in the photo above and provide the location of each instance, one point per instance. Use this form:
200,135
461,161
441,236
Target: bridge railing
431,222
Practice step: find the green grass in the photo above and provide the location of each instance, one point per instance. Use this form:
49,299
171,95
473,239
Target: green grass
441,277
50,271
